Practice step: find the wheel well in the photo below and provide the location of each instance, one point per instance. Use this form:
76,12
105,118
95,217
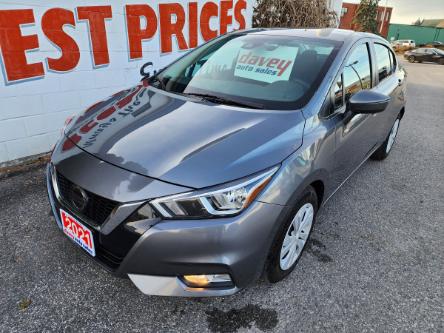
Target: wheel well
319,188
402,112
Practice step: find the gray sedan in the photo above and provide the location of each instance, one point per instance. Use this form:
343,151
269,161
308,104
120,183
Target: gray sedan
210,172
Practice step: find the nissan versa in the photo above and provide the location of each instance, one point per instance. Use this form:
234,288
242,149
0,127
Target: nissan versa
211,171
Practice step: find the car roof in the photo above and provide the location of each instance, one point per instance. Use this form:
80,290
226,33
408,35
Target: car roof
325,33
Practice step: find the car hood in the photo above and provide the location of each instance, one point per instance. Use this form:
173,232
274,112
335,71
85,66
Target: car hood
182,141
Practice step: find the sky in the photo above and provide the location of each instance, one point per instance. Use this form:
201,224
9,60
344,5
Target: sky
408,11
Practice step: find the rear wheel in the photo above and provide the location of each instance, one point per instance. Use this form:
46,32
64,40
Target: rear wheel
386,147
441,61
292,237
411,59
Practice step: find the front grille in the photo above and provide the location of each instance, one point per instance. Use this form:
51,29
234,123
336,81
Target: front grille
112,248
97,208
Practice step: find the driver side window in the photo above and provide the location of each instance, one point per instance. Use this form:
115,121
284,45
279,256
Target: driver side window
357,72
355,77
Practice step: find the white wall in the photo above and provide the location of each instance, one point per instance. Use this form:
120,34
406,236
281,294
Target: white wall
336,6
33,109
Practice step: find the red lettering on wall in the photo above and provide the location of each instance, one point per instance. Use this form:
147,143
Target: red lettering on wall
209,10
240,5
136,34
192,28
105,114
13,45
88,127
96,15
177,21
71,142
225,19
127,99
52,25
169,28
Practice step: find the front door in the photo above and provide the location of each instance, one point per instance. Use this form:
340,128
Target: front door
436,57
354,132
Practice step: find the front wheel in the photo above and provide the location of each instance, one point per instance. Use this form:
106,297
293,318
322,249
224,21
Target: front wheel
386,147
411,59
292,237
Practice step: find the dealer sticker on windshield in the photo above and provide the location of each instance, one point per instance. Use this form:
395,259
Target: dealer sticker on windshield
266,65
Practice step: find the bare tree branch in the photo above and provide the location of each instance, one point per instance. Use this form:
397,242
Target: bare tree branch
294,14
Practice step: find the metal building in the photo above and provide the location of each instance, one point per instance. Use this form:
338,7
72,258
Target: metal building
419,33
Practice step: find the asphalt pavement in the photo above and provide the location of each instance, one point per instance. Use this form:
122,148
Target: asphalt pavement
375,262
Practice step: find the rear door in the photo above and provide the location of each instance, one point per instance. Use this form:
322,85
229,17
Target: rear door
390,82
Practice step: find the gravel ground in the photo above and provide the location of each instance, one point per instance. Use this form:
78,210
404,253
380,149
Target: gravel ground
375,262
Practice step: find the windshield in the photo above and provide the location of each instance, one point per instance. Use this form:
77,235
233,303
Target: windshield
260,71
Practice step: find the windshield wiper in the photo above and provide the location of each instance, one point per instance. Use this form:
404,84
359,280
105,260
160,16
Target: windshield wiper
225,101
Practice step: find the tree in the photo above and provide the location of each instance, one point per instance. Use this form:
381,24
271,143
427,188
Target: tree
293,14
366,16
418,21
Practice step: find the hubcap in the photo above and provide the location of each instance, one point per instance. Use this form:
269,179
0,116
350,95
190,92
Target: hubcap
296,236
392,136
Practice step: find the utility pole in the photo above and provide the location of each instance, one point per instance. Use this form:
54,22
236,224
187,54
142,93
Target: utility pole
383,17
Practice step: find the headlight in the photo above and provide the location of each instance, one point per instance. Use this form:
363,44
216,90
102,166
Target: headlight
229,199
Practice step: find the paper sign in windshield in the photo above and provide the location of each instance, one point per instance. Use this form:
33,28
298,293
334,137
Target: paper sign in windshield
266,65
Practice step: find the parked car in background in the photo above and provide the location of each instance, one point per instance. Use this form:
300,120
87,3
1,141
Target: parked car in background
435,44
212,171
404,43
425,54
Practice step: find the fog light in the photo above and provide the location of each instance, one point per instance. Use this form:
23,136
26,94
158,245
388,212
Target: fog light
208,281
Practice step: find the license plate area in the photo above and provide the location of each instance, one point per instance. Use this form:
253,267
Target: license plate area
80,234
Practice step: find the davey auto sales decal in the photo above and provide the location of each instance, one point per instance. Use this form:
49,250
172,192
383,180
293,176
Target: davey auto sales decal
266,65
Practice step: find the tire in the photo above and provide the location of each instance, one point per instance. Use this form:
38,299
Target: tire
384,150
441,61
278,268
411,59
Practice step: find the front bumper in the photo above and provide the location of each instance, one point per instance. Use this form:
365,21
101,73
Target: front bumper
173,286
164,250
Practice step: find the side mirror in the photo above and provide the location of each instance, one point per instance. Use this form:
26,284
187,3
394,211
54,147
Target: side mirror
144,70
367,101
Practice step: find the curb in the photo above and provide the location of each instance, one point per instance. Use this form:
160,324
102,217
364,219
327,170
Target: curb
24,164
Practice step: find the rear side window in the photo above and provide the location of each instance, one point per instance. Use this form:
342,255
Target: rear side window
383,63
357,72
